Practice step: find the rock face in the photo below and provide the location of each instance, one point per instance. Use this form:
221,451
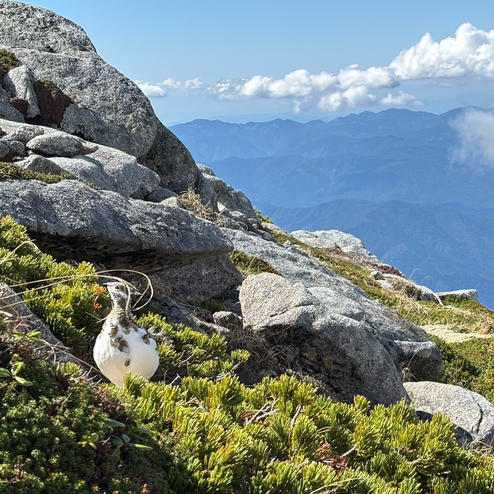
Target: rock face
106,227
228,201
330,239
19,83
408,287
338,350
78,92
58,144
469,294
472,414
407,344
103,167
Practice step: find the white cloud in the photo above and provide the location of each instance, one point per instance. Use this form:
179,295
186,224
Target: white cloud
170,82
469,53
400,99
353,97
475,129
194,83
159,89
151,90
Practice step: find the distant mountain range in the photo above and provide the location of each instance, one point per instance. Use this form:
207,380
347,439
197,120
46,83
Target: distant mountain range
392,178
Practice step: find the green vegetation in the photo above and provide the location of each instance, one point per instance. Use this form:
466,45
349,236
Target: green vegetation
463,315
261,218
68,299
63,434
8,61
59,434
250,264
212,305
10,171
184,352
469,364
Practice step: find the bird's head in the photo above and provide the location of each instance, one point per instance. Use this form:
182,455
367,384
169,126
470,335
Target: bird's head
119,293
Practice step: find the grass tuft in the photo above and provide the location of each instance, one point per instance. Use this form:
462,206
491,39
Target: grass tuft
250,264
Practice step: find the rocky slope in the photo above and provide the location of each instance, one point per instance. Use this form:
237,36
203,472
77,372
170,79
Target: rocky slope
94,176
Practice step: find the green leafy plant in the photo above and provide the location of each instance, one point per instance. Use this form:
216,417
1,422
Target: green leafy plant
67,298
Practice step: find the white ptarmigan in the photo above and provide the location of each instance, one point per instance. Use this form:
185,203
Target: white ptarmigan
122,346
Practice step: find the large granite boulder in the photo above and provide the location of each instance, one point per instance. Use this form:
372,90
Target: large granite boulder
72,220
337,349
78,92
472,414
408,344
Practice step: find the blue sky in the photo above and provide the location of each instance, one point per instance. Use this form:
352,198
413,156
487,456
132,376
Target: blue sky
257,60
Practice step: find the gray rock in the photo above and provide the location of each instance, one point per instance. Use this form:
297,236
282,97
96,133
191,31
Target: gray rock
205,169
160,194
345,299
173,201
58,144
468,294
4,150
111,169
198,278
27,26
227,200
104,167
336,349
6,108
16,148
228,320
106,223
40,164
472,414
330,239
95,101
22,132
20,84
408,287
69,219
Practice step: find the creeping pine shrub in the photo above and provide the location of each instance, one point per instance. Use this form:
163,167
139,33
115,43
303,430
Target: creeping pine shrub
280,437
58,435
185,352
68,299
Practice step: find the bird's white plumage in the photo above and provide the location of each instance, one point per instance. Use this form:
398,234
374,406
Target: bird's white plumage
122,347
142,357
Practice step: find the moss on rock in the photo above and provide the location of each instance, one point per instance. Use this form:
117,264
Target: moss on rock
11,171
8,61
